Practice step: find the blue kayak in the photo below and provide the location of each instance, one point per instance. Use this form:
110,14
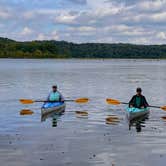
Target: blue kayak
53,107
134,113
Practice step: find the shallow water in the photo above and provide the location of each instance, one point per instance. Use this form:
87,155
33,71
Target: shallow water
24,140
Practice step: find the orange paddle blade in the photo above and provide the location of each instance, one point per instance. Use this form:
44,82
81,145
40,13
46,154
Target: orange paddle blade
163,108
113,101
82,100
26,112
112,120
26,101
83,113
163,117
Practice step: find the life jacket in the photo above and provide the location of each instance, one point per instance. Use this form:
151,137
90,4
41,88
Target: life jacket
142,101
54,96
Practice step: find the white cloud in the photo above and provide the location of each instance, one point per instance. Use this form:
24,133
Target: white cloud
161,35
97,20
26,31
65,18
52,36
83,29
4,14
42,12
151,5
103,12
141,40
29,15
159,17
41,37
117,28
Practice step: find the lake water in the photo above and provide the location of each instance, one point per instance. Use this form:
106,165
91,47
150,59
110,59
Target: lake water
25,140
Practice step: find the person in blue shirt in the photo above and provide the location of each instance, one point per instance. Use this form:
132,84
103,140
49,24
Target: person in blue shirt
55,95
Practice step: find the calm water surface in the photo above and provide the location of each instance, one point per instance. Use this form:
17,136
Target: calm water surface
24,140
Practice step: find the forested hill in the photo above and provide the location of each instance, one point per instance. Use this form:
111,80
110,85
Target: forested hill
61,49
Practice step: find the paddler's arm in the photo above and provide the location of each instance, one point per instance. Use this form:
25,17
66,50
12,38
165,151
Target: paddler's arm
61,97
48,97
145,102
131,102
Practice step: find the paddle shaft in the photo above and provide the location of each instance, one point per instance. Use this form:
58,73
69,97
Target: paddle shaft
51,101
154,106
148,105
124,103
117,102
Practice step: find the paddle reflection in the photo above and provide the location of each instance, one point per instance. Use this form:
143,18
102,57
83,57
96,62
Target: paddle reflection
138,123
26,112
81,114
112,120
163,118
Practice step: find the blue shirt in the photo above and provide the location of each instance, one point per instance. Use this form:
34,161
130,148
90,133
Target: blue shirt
55,96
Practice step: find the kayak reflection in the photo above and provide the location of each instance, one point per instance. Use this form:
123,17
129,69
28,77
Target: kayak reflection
138,123
54,116
52,110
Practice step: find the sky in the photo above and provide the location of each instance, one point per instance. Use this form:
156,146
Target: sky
84,21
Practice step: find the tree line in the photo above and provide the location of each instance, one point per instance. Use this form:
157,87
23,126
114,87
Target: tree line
62,49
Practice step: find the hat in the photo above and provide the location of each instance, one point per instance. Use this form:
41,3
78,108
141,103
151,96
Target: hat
54,86
139,89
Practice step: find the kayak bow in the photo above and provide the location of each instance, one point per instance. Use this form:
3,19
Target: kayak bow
134,113
50,107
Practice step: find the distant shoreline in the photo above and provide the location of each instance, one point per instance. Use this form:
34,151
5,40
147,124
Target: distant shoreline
66,50
104,59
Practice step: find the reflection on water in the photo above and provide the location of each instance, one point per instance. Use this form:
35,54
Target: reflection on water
54,120
26,112
164,118
24,140
138,123
53,116
112,120
81,114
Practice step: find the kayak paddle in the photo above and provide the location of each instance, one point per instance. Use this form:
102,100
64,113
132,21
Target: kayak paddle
30,101
117,102
114,102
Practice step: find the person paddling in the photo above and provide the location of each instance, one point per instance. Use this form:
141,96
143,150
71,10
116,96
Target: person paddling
138,100
55,95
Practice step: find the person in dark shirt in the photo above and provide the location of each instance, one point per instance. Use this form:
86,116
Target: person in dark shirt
138,100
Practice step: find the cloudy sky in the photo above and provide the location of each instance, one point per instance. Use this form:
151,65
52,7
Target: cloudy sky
109,21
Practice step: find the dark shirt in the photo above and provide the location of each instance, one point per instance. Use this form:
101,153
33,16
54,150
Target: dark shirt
142,101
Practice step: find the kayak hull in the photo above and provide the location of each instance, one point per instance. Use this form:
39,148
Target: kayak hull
134,113
50,107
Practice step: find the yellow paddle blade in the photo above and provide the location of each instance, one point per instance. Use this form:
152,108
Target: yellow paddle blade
113,101
26,101
83,113
82,100
112,120
163,117
163,108
26,112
